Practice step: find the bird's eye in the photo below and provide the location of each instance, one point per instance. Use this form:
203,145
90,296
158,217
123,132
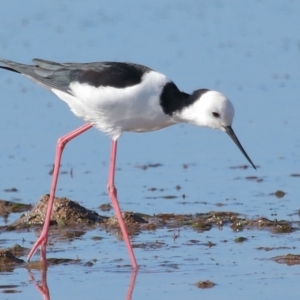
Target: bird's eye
216,115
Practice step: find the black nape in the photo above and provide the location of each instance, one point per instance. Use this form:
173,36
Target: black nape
173,100
196,95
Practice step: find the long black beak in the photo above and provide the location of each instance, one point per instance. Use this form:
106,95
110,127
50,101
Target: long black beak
231,133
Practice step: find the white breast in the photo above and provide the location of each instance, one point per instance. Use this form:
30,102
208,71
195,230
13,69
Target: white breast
115,110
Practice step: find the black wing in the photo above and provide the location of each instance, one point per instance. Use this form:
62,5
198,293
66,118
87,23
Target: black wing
55,75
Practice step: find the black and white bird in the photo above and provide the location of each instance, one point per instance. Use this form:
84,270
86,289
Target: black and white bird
116,97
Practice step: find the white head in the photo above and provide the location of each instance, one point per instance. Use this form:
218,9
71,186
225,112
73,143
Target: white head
211,109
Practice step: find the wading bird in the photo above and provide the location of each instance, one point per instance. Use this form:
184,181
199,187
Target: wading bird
116,97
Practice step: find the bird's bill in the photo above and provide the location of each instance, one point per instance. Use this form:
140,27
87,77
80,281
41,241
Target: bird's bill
231,133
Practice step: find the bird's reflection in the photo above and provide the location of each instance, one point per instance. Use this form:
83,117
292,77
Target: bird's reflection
131,284
43,288
41,285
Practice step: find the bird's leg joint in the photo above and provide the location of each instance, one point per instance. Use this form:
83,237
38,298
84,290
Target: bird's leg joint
111,189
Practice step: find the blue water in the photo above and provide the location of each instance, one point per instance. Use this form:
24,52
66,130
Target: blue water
247,50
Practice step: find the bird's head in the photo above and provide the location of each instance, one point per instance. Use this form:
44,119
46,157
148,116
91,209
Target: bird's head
208,108
211,109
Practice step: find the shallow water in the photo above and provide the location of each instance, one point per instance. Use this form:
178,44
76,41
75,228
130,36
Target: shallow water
248,51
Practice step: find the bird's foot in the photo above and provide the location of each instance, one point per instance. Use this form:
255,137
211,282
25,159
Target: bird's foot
42,243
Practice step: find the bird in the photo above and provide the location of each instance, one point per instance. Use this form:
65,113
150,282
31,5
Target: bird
118,97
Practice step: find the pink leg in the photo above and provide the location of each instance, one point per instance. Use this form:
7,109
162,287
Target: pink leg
61,143
112,192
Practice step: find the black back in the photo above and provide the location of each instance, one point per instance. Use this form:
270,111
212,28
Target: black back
118,75
55,75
